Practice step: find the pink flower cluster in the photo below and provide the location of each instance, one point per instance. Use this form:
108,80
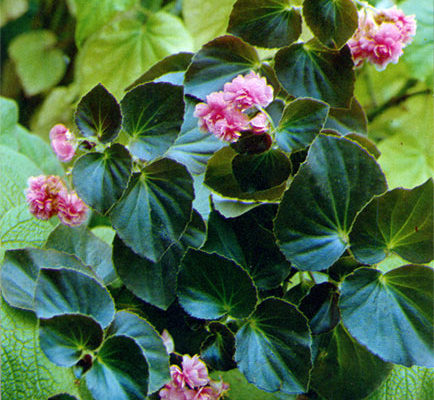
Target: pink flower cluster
192,382
63,142
223,113
381,36
47,196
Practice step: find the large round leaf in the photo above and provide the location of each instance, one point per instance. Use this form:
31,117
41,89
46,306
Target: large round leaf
210,286
316,212
273,348
391,314
101,178
120,371
265,23
310,70
65,338
400,221
155,208
153,114
64,291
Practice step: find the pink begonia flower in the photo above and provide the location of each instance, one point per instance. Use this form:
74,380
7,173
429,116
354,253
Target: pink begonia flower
167,341
405,23
42,195
206,393
259,123
220,118
195,371
63,142
173,392
247,91
72,211
219,387
177,376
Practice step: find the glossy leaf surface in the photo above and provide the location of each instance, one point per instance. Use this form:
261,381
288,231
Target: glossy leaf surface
346,120
218,349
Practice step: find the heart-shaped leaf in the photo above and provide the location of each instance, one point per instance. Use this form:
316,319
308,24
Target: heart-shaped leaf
273,348
218,349
64,291
153,114
310,70
391,314
317,211
265,23
65,338
101,178
98,114
400,221
210,286
347,120
155,208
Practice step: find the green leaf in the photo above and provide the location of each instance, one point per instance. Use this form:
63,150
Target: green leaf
26,372
343,369
332,21
11,10
120,371
150,342
301,121
64,291
125,48
273,348
65,338
98,114
101,178
310,70
218,348
218,62
82,243
344,120
155,208
39,65
265,23
153,115
210,286
391,314
317,211
400,221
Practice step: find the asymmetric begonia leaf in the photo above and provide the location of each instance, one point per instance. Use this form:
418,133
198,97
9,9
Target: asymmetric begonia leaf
332,21
128,324
101,178
119,371
347,120
90,249
302,120
65,291
218,62
391,314
155,208
365,142
155,282
65,338
317,211
20,271
98,114
153,114
273,348
265,23
210,286
400,221
310,70
341,362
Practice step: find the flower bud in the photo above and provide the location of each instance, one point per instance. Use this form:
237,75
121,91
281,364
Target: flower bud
63,142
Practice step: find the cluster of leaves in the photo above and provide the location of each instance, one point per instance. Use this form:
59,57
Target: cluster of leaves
265,256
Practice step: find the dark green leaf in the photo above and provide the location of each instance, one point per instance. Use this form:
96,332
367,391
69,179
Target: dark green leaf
155,208
400,221
98,114
65,338
62,396
366,143
101,178
332,21
273,348
131,325
347,120
301,122
210,286
65,291
297,292
391,314
218,349
317,211
309,70
153,114
344,369
265,23
251,143
120,371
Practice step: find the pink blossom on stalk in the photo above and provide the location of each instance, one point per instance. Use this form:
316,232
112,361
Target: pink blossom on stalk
405,23
259,123
195,371
62,142
72,211
173,392
177,376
